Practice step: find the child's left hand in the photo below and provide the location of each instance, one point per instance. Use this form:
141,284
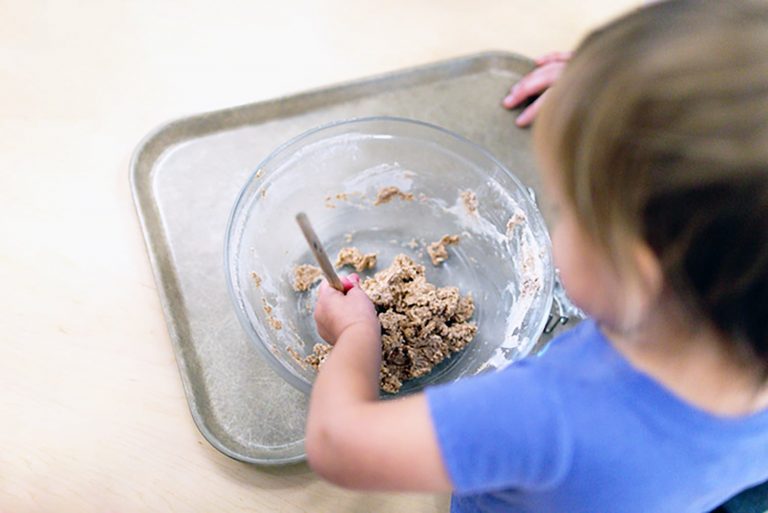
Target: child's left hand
548,69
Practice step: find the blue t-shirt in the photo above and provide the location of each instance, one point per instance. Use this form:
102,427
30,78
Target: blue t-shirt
579,430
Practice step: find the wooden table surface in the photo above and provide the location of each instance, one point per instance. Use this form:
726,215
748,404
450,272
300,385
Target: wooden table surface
94,416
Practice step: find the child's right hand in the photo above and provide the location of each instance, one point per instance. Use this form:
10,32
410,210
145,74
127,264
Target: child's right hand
548,70
352,438
335,311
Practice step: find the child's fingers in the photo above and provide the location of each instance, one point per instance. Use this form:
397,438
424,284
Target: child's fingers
324,288
326,293
529,114
357,294
529,85
533,83
553,57
350,281
334,310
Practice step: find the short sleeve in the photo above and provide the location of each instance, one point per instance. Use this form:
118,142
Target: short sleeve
502,430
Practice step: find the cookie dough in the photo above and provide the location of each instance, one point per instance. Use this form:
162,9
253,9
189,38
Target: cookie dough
318,355
296,356
256,279
516,220
304,276
273,321
421,324
437,250
469,199
355,258
386,194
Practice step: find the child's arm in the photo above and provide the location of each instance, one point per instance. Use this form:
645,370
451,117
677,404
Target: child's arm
352,439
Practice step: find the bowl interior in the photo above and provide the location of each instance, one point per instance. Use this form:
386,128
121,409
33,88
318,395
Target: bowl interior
334,175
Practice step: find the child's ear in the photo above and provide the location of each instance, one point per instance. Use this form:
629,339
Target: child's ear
644,284
649,276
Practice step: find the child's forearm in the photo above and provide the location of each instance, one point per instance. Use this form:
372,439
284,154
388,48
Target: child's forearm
351,373
356,441
348,381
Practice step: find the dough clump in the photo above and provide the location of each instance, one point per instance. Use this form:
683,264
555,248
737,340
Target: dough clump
438,252
386,194
304,276
421,324
469,199
354,257
318,355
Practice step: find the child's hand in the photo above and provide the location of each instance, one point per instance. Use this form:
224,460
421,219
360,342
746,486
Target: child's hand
548,70
335,311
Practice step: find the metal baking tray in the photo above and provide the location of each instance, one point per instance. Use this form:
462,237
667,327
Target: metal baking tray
185,177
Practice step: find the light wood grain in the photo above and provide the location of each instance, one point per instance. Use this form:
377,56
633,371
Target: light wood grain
94,417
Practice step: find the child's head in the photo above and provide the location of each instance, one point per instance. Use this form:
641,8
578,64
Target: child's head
656,141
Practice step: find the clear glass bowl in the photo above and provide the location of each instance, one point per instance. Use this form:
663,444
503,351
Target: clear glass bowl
333,173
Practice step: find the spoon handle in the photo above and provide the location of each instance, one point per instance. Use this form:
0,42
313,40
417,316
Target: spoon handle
319,251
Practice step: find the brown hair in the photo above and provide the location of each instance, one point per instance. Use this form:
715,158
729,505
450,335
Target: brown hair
659,127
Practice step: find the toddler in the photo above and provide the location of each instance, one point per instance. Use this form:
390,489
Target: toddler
653,148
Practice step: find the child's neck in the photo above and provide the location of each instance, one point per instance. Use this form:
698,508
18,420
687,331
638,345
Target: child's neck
694,363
